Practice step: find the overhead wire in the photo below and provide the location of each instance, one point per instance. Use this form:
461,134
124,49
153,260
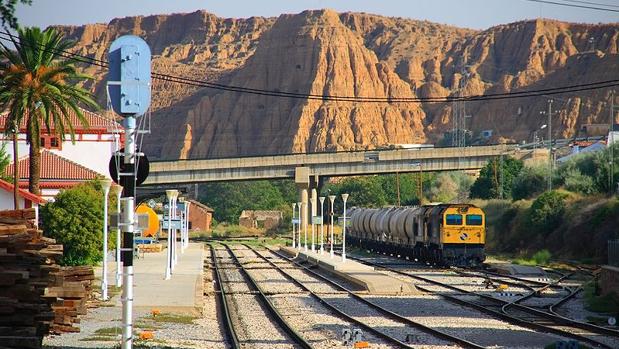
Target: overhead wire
337,98
573,5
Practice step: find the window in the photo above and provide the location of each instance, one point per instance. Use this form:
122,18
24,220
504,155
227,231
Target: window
473,219
50,142
454,219
54,143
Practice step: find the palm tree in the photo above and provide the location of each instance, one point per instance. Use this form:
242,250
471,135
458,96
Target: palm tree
39,85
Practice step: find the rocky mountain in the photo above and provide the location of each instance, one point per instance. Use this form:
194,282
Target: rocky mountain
354,54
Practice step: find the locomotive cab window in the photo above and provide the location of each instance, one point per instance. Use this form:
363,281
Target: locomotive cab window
473,219
453,219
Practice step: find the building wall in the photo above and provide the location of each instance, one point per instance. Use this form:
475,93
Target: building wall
6,200
199,219
90,150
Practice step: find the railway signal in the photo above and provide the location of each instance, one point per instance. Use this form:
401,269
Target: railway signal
129,91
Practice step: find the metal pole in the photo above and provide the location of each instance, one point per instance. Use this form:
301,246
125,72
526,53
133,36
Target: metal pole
187,224
312,218
322,226
299,226
332,199
305,224
549,144
119,273
344,197
168,268
611,141
127,227
106,191
174,231
294,209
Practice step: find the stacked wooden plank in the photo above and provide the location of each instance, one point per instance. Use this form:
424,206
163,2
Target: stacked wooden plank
27,267
36,294
72,295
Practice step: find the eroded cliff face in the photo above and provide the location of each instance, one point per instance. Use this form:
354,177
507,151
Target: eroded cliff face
354,54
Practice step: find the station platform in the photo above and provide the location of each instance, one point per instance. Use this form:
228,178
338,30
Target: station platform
181,294
361,275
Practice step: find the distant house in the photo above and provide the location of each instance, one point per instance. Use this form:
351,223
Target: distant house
57,173
25,199
93,146
200,216
260,219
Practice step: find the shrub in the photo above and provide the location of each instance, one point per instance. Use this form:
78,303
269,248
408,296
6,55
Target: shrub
542,257
547,211
530,182
495,179
575,181
75,219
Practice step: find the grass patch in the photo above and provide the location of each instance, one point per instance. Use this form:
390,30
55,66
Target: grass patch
99,339
108,331
174,318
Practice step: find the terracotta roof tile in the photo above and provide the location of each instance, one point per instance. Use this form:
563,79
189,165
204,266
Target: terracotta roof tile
55,167
23,193
95,122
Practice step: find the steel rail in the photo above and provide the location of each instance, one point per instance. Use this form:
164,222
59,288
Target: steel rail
559,321
228,325
302,342
342,314
394,316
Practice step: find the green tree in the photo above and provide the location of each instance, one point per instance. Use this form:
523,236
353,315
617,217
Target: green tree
547,211
366,191
7,11
228,199
39,85
530,182
495,181
75,219
578,182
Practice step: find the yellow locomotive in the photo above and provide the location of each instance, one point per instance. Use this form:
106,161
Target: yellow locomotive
452,234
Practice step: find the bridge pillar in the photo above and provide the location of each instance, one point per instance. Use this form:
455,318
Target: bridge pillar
302,181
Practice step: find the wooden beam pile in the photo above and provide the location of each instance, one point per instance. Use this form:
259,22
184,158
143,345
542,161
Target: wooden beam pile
72,295
36,294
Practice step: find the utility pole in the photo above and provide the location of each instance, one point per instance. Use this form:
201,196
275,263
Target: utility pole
397,181
550,145
611,140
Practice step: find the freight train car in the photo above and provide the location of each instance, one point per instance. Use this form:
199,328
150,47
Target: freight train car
451,234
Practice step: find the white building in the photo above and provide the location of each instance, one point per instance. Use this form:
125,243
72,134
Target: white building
25,199
65,164
93,146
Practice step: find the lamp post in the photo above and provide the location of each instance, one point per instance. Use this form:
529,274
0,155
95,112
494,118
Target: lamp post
187,204
332,199
119,274
305,223
312,219
344,198
105,185
174,231
294,209
182,221
168,270
322,226
299,226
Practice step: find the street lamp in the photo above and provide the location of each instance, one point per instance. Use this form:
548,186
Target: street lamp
174,231
105,185
294,209
322,226
299,226
119,278
332,199
344,198
312,199
182,221
170,196
304,212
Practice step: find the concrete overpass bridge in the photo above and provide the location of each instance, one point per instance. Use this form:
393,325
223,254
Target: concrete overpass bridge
305,168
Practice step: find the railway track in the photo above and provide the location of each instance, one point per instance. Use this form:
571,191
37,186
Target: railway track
513,312
375,307
243,333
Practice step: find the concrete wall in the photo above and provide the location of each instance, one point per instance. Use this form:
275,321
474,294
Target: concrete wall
609,279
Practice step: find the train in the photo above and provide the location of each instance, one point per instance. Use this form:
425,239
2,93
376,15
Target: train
442,234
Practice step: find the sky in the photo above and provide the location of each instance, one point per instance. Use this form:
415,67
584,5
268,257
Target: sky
475,14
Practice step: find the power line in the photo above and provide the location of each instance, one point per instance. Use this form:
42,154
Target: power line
337,98
591,3
573,5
